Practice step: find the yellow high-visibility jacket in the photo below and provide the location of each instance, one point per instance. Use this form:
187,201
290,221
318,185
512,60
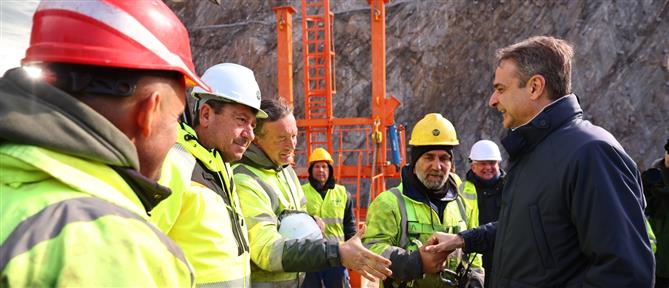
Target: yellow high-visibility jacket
330,209
203,216
397,224
265,192
73,206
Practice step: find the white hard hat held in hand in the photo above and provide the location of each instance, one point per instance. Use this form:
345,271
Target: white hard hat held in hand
298,225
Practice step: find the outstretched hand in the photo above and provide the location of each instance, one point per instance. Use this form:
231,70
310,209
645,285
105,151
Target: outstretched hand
444,243
356,257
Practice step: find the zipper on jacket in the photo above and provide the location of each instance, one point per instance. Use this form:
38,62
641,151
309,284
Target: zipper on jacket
234,217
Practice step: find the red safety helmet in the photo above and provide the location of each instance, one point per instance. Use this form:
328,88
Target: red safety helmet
138,34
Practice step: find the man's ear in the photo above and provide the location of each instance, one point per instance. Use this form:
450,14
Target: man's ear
537,86
147,113
204,113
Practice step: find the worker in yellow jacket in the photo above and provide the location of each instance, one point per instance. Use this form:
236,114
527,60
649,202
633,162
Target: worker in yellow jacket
270,196
82,145
400,221
332,204
205,219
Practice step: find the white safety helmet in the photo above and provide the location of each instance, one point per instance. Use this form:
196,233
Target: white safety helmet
485,150
299,225
232,83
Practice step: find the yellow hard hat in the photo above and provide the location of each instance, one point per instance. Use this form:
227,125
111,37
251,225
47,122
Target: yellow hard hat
320,154
433,129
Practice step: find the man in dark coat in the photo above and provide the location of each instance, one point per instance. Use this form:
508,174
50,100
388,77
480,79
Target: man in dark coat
572,205
656,188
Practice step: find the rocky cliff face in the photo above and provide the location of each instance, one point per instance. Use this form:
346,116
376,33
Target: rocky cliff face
440,58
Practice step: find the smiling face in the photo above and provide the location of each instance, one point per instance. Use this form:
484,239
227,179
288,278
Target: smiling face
229,130
278,140
509,98
485,170
432,169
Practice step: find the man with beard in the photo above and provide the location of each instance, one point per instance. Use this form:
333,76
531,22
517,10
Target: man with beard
427,201
482,189
205,219
332,204
270,194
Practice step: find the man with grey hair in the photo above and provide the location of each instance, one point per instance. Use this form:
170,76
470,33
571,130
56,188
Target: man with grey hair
270,194
578,223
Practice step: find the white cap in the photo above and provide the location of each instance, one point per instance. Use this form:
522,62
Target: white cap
232,83
485,150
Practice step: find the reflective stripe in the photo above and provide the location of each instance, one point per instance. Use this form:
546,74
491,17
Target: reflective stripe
122,22
295,180
44,226
404,238
235,283
332,221
386,252
268,189
185,159
276,256
264,217
461,206
468,196
292,181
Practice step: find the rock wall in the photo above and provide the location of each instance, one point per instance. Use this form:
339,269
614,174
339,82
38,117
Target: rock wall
440,58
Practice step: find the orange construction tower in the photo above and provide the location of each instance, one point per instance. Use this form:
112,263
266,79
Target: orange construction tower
355,167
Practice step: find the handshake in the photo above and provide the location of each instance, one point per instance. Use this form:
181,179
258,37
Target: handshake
437,249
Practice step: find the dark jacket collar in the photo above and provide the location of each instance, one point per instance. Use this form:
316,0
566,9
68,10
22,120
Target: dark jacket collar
256,157
524,138
478,182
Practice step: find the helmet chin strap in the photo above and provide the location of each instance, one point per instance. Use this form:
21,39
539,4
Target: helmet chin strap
186,117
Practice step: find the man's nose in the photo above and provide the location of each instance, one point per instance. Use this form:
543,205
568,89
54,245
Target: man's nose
248,133
436,165
492,102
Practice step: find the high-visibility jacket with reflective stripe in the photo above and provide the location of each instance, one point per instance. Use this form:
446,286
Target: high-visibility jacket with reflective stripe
651,237
388,214
68,221
208,226
330,209
468,192
264,195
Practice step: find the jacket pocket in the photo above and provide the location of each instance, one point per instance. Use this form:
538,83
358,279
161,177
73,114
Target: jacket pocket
540,239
